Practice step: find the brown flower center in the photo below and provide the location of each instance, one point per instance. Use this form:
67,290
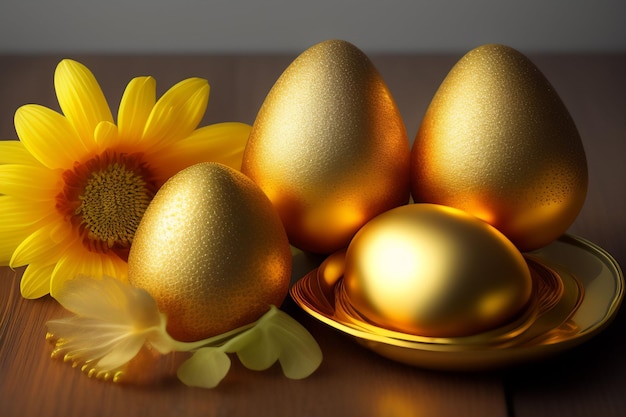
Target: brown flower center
105,199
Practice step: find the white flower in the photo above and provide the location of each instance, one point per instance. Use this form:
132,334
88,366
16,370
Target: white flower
114,321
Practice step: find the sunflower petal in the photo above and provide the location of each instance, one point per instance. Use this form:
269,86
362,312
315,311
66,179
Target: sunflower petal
73,263
17,213
80,97
35,282
14,152
178,112
220,142
113,266
106,135
29,182
18,219
10,240
76,261
135,107
39,247
224,142
48,136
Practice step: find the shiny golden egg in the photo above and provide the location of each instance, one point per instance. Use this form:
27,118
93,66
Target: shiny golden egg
329,147
435,271
212,251
498,142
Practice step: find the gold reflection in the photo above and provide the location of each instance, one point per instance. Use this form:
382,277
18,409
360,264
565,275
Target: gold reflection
567,293
556,296
436,271
392,402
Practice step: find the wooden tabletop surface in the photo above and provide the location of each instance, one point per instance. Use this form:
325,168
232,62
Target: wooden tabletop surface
589,380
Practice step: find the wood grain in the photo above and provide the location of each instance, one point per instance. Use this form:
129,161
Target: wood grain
587,381
351,381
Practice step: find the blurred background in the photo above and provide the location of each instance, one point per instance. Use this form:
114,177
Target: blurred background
287,26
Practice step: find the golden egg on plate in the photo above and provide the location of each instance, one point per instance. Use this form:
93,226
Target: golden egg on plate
498,142
436,271
329,147
212,251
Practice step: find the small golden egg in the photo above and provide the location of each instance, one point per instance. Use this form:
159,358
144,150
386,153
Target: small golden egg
329,147
435,271
212,251
498,142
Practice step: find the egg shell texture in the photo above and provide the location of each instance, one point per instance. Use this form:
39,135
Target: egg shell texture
212,251
498,142
329,147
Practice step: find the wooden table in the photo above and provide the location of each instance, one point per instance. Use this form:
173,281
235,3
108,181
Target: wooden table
586,381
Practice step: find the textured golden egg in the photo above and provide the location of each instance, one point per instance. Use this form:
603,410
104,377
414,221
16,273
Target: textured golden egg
329,147
212,252
435,271
498,142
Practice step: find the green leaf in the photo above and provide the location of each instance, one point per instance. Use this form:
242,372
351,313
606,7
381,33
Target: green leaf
295,251
277,336
255,349
205,369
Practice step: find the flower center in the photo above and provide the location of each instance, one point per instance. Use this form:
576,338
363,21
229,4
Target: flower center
105,199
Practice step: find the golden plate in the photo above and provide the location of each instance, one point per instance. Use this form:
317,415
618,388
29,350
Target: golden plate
584,287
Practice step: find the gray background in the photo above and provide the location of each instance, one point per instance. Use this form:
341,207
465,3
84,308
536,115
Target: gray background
237,26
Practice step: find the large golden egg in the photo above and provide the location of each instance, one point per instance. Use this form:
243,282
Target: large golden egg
435,271
329,147
212,251
498,142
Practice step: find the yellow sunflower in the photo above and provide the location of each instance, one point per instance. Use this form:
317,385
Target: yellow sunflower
74,188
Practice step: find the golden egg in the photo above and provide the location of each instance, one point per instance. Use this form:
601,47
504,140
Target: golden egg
435,271
212,251
498,142
329,147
